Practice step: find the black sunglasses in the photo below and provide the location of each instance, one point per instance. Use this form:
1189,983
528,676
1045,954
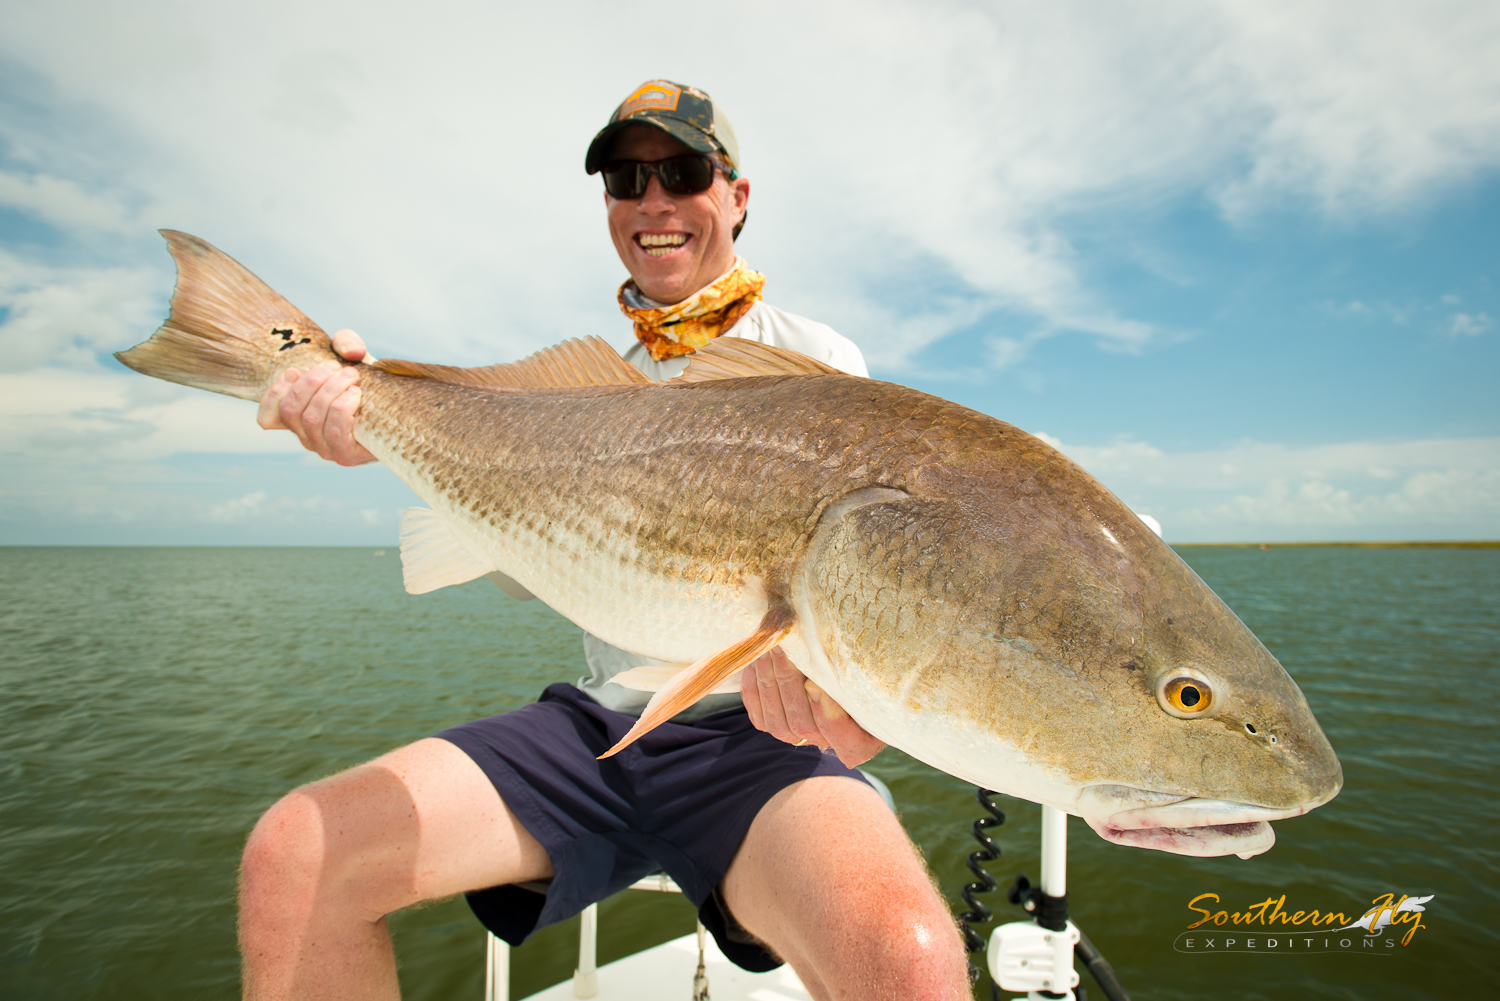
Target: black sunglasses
686,174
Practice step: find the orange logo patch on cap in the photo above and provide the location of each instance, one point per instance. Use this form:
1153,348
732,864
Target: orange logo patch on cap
654,95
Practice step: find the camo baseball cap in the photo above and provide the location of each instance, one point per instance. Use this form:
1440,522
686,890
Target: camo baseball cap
685,113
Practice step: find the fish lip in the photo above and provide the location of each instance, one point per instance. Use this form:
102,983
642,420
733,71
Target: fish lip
1177,812
1181,825
1194,812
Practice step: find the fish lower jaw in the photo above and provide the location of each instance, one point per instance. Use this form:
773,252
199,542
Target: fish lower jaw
1205,828
1245,840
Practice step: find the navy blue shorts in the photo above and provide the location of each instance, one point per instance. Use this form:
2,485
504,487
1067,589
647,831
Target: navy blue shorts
679,799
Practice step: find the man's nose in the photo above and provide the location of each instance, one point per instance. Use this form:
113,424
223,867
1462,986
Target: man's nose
656,198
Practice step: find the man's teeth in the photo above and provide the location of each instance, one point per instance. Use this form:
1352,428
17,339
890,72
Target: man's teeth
663,244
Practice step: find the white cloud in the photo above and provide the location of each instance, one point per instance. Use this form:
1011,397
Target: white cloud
62,202
237,510
124,417
917,165
1441,488
1470,324
1363,105
66,316
1448,497
1006,352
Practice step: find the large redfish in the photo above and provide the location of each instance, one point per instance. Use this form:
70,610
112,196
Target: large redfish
965,591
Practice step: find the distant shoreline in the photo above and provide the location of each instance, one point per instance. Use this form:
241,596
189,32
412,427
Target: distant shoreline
1475,544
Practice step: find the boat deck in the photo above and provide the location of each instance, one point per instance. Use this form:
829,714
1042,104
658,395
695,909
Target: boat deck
666,971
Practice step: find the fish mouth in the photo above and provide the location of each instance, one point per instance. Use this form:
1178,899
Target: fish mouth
1209,841
1185,825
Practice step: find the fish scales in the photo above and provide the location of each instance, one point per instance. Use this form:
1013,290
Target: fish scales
736,503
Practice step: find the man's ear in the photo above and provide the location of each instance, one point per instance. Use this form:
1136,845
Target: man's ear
741,188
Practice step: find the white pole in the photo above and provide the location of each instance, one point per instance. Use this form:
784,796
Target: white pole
496,969
1054,852
586,977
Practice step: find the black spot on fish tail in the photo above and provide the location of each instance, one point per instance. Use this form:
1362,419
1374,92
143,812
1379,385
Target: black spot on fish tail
286,335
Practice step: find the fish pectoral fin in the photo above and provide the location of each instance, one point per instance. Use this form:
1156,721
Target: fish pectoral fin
655,677
431,557
692,683
736,358
573,364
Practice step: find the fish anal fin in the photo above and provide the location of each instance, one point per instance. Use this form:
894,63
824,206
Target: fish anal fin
655,677
573,364
700,679
431,557
736,358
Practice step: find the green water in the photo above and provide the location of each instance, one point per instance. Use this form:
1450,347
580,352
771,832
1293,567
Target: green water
154,701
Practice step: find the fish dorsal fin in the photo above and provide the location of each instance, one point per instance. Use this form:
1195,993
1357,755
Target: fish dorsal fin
736,358
573,364
695,681
431,557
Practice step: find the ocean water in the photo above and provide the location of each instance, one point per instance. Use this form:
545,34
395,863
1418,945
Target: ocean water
154,701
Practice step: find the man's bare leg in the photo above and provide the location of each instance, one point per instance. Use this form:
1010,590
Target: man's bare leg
827,878
326,864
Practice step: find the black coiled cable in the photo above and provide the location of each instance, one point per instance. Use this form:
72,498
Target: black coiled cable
983,881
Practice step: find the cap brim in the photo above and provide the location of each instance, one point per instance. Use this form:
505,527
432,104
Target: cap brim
693,138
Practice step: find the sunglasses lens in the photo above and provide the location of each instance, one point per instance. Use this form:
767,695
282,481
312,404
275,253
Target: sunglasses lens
681,175
686,175
626,180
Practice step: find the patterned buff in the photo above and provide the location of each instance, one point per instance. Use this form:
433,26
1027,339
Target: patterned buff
681,328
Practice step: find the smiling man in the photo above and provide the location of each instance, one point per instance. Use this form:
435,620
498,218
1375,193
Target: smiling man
735,799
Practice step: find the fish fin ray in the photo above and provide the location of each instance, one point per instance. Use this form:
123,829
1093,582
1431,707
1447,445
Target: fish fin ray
573,364
226,330
737,358
431,557
700,679
655,677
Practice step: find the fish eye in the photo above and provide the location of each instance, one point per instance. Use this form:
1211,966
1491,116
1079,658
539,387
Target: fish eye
1186,696
1272,739
1250,729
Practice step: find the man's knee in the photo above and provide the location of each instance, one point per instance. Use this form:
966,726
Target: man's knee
885,945
339,842
285,856
911,939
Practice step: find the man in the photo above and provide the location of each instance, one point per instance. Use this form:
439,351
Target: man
754,825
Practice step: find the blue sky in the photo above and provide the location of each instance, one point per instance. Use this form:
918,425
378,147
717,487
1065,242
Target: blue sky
1238,259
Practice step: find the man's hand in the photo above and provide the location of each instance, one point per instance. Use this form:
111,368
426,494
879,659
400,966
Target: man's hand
782,702
318,406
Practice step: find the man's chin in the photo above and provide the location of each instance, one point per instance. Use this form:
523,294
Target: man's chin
667,279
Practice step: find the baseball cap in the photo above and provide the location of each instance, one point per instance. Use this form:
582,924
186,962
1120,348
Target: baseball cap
685,113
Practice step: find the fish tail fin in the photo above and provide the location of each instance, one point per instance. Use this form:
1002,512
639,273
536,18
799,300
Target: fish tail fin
227,331
700,679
